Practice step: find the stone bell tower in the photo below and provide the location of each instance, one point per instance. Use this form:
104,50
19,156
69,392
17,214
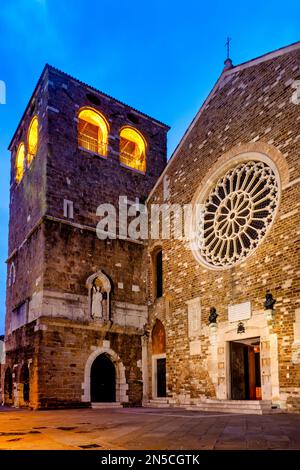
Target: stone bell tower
76,305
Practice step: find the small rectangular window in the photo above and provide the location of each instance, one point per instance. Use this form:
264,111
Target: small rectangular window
68,209
159,275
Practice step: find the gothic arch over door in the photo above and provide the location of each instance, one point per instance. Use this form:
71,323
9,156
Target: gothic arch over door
159,386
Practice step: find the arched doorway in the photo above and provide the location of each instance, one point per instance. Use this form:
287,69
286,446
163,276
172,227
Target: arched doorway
103,380
8,387
159,387
25,387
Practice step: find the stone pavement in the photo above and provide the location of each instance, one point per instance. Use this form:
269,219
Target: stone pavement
145,428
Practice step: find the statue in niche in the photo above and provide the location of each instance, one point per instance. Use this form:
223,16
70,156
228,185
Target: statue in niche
212,316
99,288
269,302
97,301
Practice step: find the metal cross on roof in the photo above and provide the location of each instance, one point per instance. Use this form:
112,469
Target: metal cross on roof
227,45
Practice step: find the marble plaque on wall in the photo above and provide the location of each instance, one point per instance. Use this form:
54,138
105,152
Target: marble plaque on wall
239,312
194,317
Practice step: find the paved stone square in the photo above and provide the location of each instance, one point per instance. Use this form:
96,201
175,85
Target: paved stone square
145,428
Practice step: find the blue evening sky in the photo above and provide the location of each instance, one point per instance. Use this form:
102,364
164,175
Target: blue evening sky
159,56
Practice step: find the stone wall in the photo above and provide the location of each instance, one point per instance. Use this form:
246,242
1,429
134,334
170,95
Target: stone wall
58,352
250,110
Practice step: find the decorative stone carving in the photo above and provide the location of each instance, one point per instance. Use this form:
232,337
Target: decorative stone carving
99,287
97,300
238,211
241,328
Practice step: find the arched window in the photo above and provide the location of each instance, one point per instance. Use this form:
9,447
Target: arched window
92,131
132,149
20,158
158,273
33,137
12,275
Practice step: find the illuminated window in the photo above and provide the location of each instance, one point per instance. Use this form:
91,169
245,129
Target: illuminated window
132,149
92,131
33,136
20,158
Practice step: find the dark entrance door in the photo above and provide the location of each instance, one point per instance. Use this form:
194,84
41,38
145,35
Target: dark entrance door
25,380
103,380
161,377
237,362
245,370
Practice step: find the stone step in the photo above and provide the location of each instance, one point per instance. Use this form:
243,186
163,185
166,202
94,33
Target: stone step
213,409
234,406
249,406
160,402
238,402
106,405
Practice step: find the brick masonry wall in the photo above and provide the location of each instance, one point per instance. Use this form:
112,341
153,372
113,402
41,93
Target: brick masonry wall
28,198
250,108
84,254
29,270
65,349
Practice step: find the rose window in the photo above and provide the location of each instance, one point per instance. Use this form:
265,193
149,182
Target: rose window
237,213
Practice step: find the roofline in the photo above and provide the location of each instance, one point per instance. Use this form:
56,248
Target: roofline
70,77
27,107
105,95
225,73
182,140
265,57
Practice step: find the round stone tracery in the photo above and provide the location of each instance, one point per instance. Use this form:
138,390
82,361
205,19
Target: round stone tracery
237,214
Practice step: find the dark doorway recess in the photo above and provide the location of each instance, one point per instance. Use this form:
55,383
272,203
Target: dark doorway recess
161,377
245,369
25,382
8,387
103,380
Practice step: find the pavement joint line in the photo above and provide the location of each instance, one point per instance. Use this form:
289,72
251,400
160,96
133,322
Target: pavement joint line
233,415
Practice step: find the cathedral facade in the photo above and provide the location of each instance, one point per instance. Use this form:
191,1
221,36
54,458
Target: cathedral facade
199,315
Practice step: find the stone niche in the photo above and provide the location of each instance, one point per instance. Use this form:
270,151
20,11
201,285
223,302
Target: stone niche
99,287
